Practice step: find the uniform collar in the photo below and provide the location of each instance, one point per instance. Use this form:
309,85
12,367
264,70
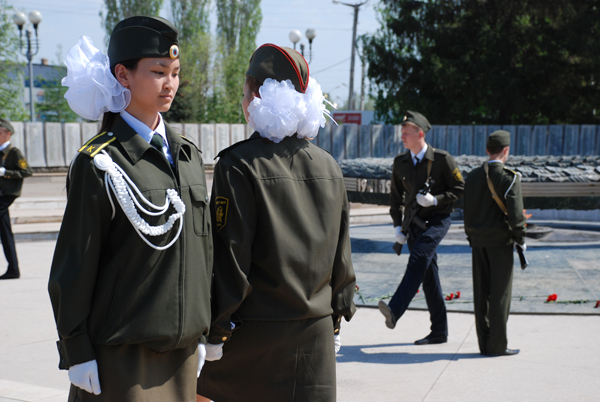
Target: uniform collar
4,146
420,154
142,129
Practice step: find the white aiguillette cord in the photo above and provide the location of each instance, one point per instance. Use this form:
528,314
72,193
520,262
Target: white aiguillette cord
116,179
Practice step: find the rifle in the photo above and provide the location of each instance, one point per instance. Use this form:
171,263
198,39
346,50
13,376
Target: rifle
412,217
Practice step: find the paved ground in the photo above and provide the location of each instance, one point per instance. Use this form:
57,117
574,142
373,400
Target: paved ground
559,342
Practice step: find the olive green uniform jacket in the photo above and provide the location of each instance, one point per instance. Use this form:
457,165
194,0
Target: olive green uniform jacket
447,184
16,170
281,235
485,223
107,286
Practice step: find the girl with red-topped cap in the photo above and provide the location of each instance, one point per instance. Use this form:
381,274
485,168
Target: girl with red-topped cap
283,276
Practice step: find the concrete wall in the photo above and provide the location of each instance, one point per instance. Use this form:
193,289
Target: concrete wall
48,145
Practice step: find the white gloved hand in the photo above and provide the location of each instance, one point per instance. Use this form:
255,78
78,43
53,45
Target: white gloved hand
214,352
2,171
85,376
338,343
201,358
400,237
522,247
426,200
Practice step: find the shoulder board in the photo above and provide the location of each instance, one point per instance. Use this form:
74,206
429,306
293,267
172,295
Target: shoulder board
403,155
229,148
97,143
191,142
513,171
440,151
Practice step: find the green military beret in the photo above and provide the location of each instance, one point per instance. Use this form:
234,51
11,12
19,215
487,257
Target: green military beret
279,63
139,37
498,138
7,125
418,119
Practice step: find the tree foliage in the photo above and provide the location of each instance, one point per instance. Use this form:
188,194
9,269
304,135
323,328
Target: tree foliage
11,77
116,10
238,23
54,107
487,61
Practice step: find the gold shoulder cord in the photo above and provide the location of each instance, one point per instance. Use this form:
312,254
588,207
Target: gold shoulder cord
491,186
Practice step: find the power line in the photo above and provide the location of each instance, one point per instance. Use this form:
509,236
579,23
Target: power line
333,65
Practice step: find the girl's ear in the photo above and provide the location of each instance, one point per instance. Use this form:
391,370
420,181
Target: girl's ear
256,94
122,75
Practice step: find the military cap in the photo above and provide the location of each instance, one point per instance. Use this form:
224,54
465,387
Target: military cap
7,125
279,63
418,119
498,138
139,37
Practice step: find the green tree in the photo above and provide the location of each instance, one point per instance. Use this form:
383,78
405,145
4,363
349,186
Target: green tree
238,23
487,61
11,71
54,107
192,102
116,10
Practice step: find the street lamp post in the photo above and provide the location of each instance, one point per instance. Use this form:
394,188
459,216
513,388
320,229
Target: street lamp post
351,86
35,17
295,37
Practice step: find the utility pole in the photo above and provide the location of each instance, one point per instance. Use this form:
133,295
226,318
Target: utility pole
351,84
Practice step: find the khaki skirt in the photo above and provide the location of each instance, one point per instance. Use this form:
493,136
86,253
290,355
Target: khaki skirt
274,361
131,373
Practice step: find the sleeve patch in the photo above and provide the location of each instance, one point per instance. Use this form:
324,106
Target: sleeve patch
221,206
457,175
22,163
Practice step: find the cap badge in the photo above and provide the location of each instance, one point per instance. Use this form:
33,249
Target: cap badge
174,51
405,117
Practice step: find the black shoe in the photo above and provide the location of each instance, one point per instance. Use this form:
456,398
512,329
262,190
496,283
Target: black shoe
507,352
10,275
390,319
432,339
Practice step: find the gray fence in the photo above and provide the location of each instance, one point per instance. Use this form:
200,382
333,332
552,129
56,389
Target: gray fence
55,144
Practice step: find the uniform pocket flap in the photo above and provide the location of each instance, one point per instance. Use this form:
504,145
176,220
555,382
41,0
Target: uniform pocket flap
199,193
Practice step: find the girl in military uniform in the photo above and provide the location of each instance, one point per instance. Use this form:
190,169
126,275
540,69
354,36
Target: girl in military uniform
283,275
130,278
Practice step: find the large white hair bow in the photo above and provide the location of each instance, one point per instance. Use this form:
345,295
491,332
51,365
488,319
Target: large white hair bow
281,111
93,89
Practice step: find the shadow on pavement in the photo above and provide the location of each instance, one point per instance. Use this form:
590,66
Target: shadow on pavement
369,354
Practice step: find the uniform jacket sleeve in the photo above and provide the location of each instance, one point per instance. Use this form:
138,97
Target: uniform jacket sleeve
343,279
234,230
76,258
514,209
18,168
396,196
455,185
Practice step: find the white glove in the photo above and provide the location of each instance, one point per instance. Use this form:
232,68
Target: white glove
214,352
85,376
400,237
426,200
2,171
522,247
338,343
201,358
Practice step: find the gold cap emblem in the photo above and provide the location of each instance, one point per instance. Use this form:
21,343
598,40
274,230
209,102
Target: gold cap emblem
174,51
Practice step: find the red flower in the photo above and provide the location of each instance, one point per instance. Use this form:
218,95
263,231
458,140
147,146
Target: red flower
418,290
450,296
356,287
552,298
597,304
457,295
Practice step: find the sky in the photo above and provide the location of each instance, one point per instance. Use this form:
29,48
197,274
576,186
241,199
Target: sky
64,21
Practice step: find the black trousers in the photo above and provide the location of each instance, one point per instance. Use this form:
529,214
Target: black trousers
492,290
422,268
6,234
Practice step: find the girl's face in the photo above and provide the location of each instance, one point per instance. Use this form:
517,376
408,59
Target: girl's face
153,84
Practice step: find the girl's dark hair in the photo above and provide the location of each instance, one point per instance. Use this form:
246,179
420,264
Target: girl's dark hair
254,84
109,117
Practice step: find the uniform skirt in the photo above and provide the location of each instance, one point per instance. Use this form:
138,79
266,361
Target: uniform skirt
131,373
274,361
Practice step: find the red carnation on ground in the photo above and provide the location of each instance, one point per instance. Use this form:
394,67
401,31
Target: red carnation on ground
552,298
597,304
457,295
356,287
450,296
